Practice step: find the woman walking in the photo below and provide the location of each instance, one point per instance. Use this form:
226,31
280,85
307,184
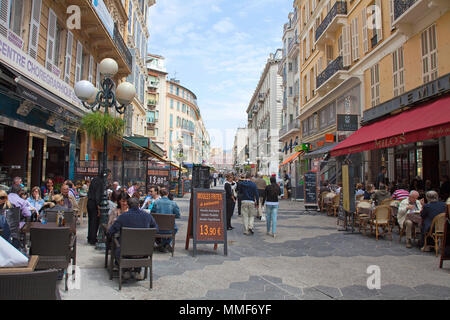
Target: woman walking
230,199
271,194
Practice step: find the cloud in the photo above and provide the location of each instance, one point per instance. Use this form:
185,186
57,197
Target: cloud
224,26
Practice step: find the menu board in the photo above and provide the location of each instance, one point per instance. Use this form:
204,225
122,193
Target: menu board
310,187
158,177
209,217
200,177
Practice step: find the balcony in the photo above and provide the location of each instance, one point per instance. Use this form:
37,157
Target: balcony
291,127
293,47
104,35
333,75
261,97
408,12
328,27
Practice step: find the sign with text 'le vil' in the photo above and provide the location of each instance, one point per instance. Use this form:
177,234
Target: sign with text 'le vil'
209,218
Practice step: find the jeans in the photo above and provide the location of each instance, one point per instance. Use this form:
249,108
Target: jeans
166,241
271,216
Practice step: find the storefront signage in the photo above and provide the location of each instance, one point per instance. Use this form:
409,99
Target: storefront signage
104,16
347,122
209,217
329,138
426,91
158,177
15,39
29,67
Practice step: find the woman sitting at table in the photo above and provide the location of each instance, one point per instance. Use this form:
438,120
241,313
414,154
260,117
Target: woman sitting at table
35,200
429,211
121,198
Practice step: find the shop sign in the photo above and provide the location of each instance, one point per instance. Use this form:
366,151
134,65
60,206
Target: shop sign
104,16
329,138
320,143
29,67
347,122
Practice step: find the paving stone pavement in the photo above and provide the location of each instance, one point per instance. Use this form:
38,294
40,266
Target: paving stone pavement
309,259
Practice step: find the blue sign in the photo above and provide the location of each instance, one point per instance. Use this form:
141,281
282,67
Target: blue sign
104,16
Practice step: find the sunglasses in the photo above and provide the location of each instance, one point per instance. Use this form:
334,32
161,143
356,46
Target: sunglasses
3,198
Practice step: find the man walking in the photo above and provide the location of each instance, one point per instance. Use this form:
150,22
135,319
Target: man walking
261,186
381,178
95,195
250,201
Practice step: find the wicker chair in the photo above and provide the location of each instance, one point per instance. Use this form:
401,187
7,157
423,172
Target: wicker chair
436,231
82,204
166,222
382,219
37,285
386,202
136,250
333,207
362,216
52,245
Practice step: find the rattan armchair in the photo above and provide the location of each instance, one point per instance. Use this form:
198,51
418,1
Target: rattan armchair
333,207
166,223
436,231
382,218
52,245
136,251
37,285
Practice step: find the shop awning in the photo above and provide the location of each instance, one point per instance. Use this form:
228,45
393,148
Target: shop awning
320,152
292,158
429,121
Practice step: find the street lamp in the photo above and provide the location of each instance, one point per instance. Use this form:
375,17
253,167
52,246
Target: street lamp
180,158
93,99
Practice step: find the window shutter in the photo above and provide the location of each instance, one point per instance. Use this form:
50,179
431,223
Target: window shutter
51,35
307,46
379,20
346,41
35,24
68,62
356,41
91,68
78,61
5,6
308,86
144,47
364,31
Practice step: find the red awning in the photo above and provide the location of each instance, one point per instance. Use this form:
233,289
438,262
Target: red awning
291,158
431,120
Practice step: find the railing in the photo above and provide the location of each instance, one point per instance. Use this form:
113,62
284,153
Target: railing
283,130
120,43
340,7
329,71
400,6
293,125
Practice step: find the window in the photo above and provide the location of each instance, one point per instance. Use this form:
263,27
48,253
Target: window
78,62
397,71
290,66
16,17
429,54
329,53
171,103
178,105
178,91
171,122
34,28
375,85
68,63
171,88
346,43
340,46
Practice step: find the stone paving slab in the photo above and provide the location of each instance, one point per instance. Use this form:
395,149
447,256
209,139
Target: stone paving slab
309,259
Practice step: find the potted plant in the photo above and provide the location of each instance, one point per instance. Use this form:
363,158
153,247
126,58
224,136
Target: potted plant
96,124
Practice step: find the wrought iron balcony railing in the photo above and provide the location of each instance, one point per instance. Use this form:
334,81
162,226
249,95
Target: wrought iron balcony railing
400,6
120,43
334,66
340,7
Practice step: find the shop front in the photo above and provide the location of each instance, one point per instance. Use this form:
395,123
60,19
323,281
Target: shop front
409,135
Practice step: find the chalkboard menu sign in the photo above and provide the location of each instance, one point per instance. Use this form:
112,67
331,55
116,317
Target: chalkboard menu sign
158,177
200,177
310,187
209,217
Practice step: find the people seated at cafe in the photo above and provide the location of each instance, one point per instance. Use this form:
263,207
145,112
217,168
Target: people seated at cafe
120,198
15,199
409,205
166,206
400,193
153,195
324,187
381,194
59,202
69,200
359,190
35,200
133,218
134,188
47,191
72,190
370,189
429,211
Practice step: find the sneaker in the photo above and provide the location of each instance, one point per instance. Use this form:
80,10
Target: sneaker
273,235
251,231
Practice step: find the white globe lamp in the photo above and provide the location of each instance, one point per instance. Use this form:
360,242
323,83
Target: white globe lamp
108,67
125,93
84,90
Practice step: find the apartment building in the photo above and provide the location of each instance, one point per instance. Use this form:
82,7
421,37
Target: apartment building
362,64
264,118
44,53
183,122
240,149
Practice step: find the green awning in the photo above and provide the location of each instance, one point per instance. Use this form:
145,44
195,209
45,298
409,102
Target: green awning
143,142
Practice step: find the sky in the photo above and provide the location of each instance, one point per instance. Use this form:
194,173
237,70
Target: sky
218,50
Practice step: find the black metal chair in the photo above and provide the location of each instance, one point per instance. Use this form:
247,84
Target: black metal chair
136,251
166,223
37,285
52,245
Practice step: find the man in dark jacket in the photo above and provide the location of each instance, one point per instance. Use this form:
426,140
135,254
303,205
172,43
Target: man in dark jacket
381,178
95,195
429,212
250,202
166,206
133,218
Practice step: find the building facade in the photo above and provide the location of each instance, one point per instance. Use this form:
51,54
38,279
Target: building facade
156,98
183,122
264,119
240,149
45,53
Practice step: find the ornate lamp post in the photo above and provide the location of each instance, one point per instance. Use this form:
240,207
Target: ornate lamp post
180,158
94,99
